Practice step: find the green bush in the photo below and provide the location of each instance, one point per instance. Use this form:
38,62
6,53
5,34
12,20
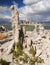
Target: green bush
32,51
22,56
34,59
17,53
43,36
3,62
19,45
25,58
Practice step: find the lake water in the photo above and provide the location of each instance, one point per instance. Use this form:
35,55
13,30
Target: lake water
9,27
46,25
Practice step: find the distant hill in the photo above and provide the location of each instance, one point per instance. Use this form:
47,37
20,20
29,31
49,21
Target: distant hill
6,23
4,20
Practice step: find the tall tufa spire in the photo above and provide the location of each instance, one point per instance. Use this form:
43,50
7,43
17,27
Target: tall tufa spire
15,20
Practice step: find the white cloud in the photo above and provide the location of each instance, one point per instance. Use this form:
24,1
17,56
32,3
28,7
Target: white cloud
29,2
42,5
38,11
22,16
5,16
3,13
16,5
3,8
26,10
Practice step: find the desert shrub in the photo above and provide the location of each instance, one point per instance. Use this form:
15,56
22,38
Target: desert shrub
19,45
18,51
3,62
32,51
23,56
43,36
35,58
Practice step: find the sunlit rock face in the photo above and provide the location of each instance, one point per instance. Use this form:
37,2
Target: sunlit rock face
39,29
41,39
15,20
2,29
42,43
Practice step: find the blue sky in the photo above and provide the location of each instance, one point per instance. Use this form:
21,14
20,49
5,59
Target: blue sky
33,10
10,2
